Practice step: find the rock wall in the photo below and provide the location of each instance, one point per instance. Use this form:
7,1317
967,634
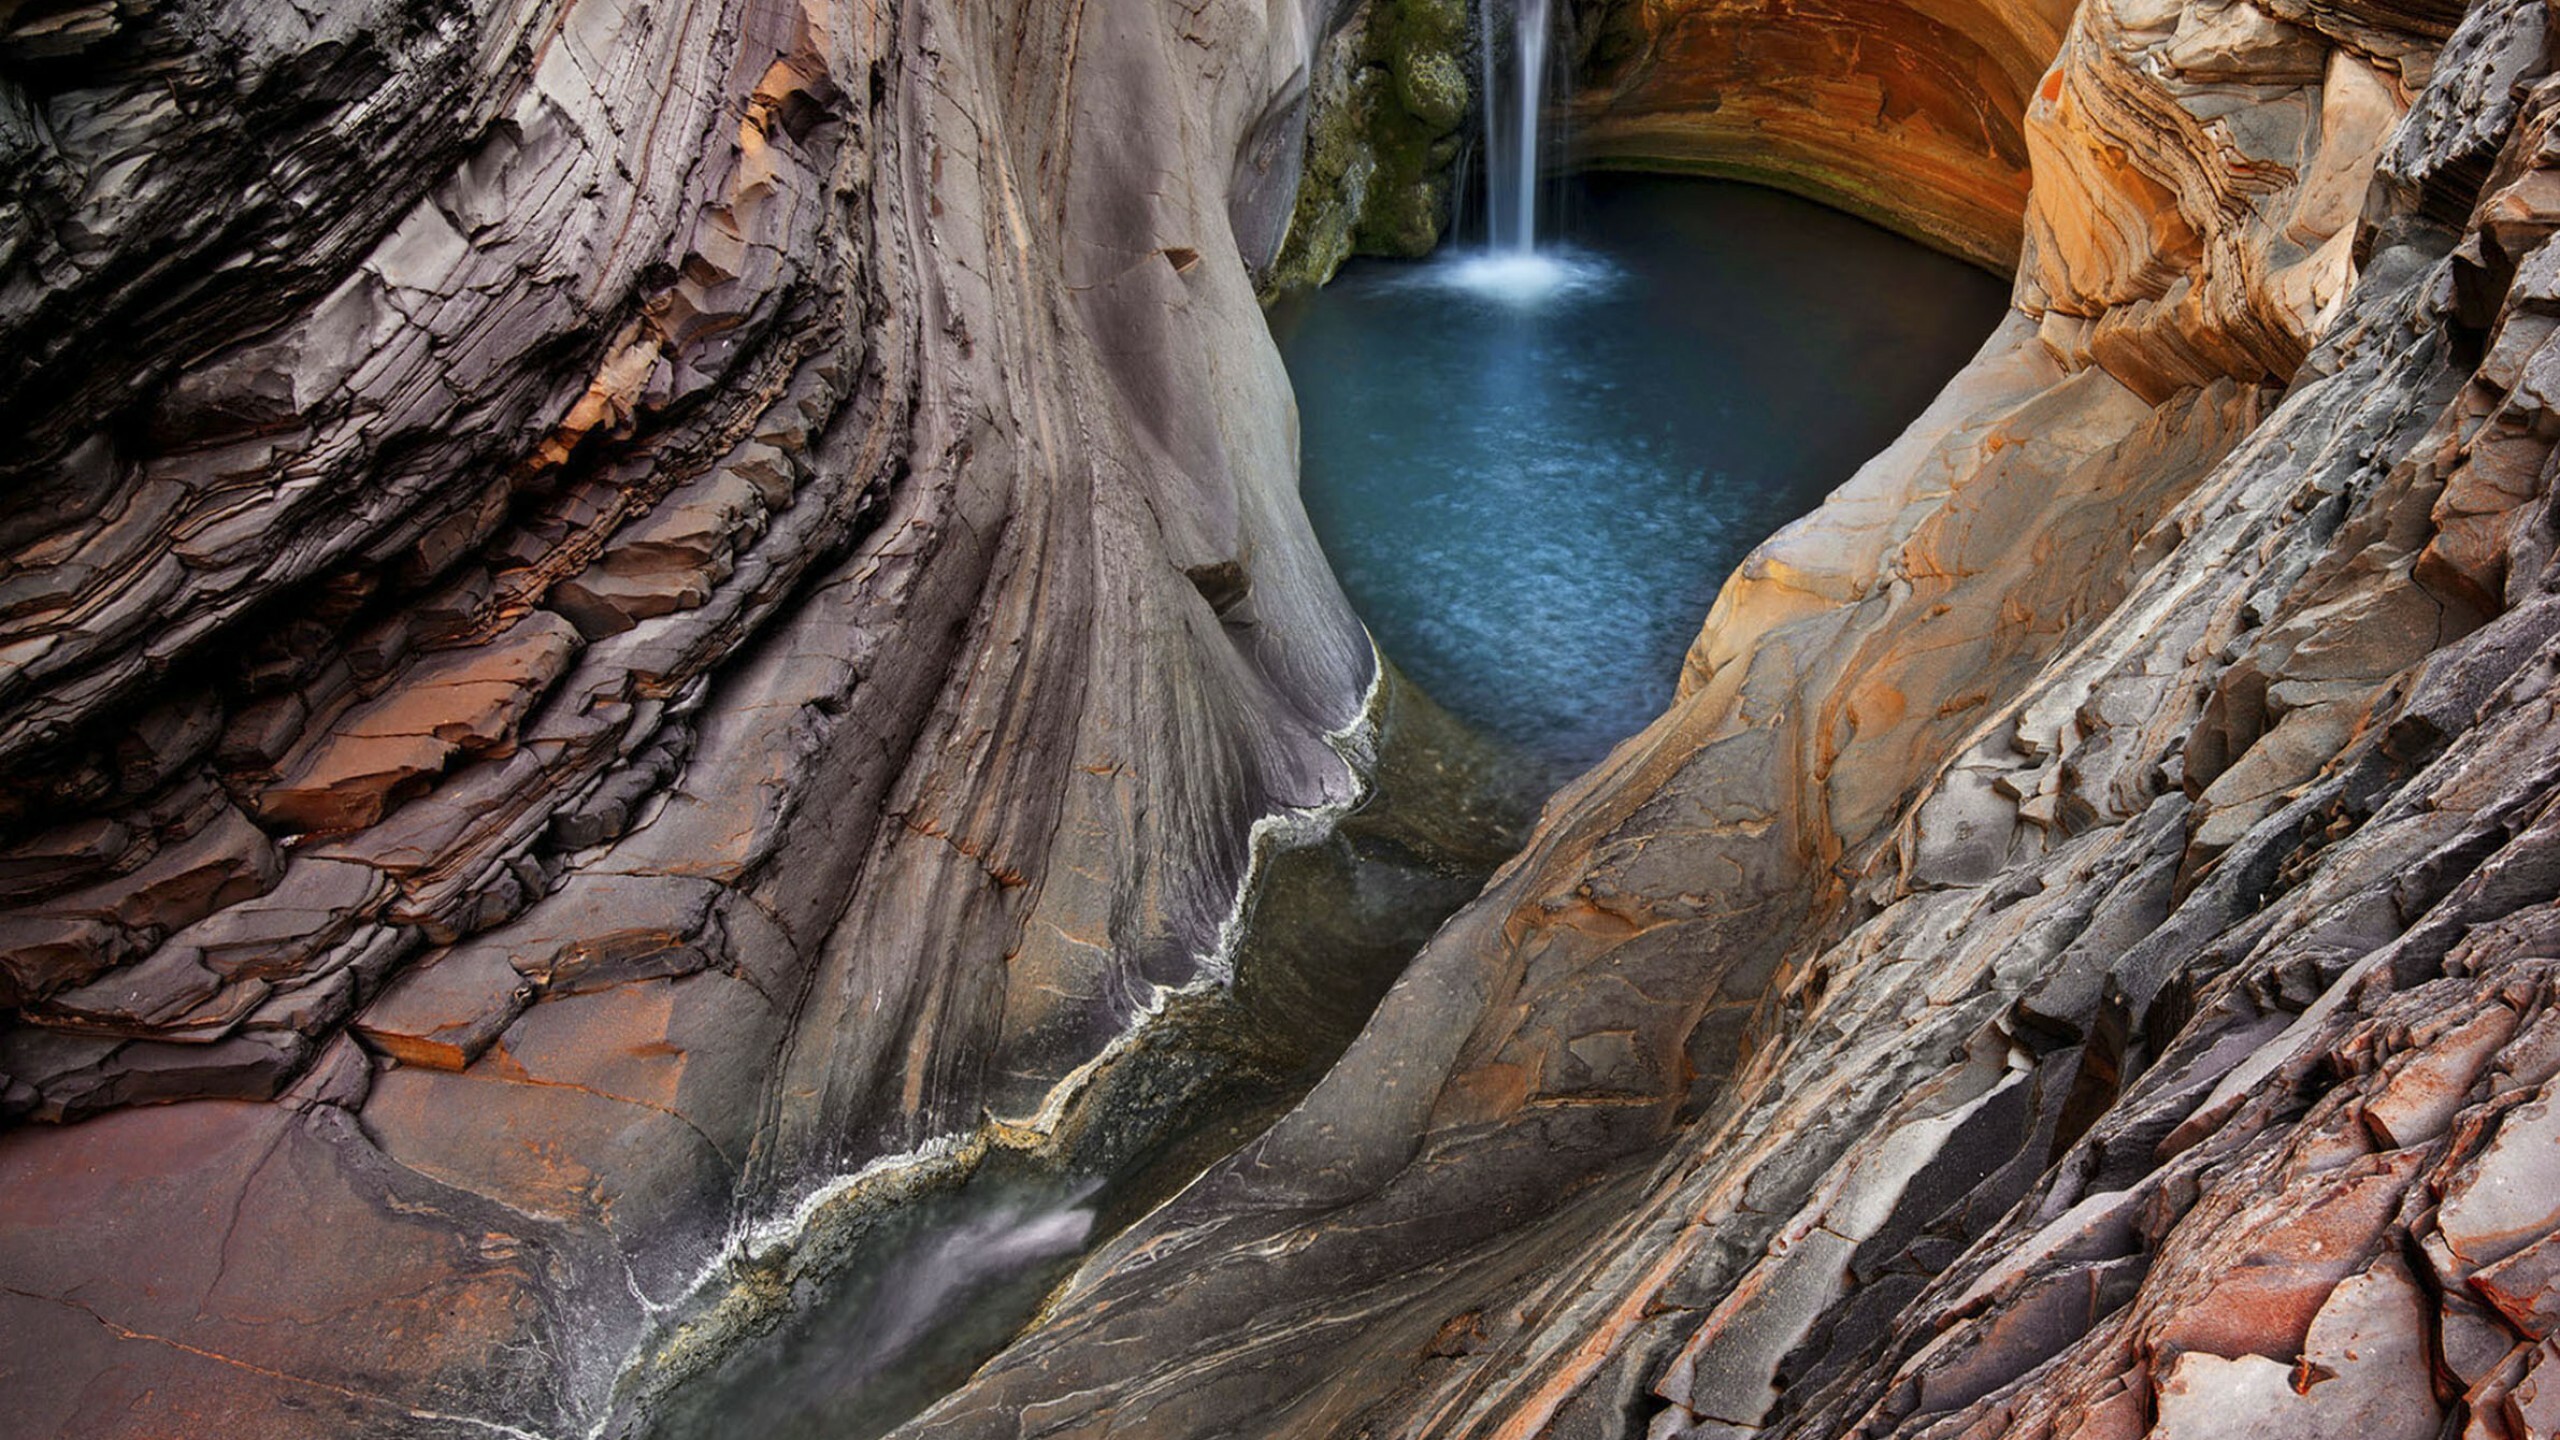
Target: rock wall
611,611
1908,112
1387,98
616,612
2074,961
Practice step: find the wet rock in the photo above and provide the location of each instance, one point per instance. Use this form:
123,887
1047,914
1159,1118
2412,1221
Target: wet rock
1370,143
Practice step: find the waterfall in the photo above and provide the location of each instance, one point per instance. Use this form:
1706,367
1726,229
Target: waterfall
1513,269
1511,129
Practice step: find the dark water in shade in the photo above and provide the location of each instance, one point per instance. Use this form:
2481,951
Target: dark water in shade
932,1288
1532,486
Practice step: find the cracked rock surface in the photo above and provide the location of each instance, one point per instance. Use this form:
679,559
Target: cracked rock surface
2076,960
600,623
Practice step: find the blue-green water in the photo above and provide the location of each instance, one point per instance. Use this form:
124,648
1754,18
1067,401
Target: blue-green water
1532,485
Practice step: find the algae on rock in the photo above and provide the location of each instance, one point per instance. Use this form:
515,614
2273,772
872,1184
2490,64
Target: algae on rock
1386,102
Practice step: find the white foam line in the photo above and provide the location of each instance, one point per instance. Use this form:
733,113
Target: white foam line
494,1427
753,1242
1356,744
761,1240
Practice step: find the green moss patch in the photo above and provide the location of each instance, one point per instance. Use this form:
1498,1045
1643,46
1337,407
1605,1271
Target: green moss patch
1388,98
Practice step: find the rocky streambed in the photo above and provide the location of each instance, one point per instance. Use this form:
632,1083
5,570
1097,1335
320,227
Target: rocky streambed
614,614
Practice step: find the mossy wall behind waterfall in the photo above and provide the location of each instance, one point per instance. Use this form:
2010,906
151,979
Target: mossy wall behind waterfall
1387,109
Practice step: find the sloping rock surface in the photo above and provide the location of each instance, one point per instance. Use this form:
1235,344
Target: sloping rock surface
608,611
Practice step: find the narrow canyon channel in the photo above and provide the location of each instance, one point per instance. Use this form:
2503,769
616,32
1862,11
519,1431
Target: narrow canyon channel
878,1302
1531,470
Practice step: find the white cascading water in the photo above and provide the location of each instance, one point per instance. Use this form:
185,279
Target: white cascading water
1512,268
1529,28
922,1288
1489,123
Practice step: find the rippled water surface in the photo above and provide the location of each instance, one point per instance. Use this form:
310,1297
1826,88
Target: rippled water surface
1533,478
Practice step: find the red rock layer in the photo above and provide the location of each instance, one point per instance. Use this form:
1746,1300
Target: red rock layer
1911,114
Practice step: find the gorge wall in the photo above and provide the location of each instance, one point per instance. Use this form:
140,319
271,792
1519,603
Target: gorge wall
617,612
612,611
1908,112
1387,98
2074,962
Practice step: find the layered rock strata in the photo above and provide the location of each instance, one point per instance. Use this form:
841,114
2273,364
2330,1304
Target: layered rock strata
2074,962
612,612
1910,114
631,611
